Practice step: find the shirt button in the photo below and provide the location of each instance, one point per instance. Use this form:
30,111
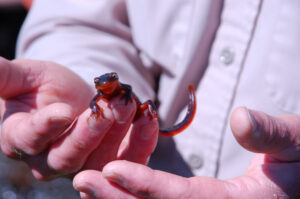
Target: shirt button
195,161
227,56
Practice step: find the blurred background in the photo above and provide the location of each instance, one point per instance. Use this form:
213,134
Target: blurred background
16,181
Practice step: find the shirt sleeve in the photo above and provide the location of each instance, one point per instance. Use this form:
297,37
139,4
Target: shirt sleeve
89,37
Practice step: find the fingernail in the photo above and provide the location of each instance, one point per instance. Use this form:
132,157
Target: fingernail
84,195
255,131
147,131
99,125
59,122
121,113
85,190
111,176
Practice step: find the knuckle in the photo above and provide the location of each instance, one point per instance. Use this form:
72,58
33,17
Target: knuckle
8,152
65,167
42,175
6,147
63,164
79,145
30,147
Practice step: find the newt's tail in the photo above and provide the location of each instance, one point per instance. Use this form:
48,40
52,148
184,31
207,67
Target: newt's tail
178,128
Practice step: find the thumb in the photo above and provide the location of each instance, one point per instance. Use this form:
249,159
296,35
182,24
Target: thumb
18,77
258,132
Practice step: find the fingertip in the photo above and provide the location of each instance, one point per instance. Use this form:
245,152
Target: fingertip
83,177
39,176
122,111
91,184
111,167
79,180
98,124
141,142
86,183
241,123
18,77
116,169
70,152
147,129
123,115
258,132
85,196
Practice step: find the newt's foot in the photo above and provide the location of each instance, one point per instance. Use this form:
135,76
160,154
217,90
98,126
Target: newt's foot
126,93
127,96
97,112
149,109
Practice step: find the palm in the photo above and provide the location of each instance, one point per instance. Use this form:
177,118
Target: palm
38,97
50,84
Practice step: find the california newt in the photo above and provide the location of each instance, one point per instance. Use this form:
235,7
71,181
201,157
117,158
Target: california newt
109,86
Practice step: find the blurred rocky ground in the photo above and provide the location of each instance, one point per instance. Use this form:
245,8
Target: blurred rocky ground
16,182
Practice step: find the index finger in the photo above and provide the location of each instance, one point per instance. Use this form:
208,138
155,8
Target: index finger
91,136
18,77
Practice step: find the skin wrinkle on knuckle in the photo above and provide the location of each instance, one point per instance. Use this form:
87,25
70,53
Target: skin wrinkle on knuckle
232,186
278,131
79,144
62,165
34,77
29,145
267,130
270,130
183,187
12,139
247,187
188,188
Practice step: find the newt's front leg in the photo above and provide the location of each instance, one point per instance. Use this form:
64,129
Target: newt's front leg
128,93
96,110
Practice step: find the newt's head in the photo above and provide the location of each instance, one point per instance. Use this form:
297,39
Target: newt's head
107,83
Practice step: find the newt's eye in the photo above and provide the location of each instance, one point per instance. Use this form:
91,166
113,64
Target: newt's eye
96,80
114,75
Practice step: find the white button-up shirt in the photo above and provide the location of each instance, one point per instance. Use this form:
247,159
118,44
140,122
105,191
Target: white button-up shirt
237,53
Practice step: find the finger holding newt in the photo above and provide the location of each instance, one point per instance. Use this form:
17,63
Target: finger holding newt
108,86
144,119
46,121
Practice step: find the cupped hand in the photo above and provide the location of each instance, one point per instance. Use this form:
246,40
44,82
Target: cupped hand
274,171
46,121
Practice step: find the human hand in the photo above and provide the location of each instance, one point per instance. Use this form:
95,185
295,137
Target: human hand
273,173
46,122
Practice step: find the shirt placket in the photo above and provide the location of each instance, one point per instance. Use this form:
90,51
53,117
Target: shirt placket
216,92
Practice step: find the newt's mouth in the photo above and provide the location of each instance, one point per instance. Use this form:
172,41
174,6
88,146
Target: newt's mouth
104,86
